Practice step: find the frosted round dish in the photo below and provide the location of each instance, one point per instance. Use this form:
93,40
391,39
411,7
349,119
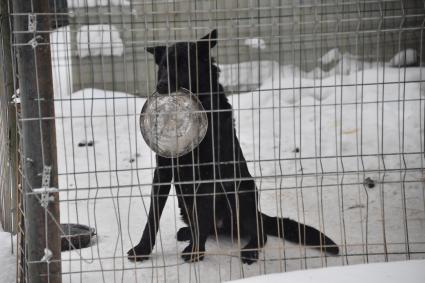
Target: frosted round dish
173,124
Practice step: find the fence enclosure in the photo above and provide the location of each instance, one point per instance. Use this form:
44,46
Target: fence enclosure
328,105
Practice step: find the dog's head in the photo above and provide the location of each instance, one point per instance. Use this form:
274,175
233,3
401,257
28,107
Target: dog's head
184,64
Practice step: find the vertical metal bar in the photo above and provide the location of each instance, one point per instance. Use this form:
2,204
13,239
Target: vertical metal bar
39,138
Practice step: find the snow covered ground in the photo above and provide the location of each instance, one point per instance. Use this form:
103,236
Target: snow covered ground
392,272
310,145
7,258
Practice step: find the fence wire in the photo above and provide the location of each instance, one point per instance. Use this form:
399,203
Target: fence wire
328,109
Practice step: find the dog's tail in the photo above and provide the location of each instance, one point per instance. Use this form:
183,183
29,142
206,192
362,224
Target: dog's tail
296,232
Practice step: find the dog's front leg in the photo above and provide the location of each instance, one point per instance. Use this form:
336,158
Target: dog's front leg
160,190
200,225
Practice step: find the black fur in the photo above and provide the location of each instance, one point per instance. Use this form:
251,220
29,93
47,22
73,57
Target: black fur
214,176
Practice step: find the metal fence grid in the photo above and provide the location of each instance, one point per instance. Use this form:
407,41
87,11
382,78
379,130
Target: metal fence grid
328,105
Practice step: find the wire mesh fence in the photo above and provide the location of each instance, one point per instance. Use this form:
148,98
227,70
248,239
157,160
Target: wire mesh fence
315,114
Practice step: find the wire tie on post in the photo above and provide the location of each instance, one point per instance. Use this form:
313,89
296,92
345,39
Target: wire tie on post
47,255
45,179
32,23
33,42
16,99
45,190
45,199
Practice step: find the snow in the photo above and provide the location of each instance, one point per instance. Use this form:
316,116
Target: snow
393,272
253,75
346,62
94,40
247,76
331,56
404,58
255,43
7,259
96,3
341,63
306,114
61,60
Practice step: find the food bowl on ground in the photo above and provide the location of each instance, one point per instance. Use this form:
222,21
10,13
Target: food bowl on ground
76,236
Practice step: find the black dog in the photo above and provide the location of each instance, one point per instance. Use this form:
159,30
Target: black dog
216,193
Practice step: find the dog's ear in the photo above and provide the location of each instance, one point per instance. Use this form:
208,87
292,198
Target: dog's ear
207,42
158,52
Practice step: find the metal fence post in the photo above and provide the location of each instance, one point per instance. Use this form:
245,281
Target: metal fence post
9,111
42,233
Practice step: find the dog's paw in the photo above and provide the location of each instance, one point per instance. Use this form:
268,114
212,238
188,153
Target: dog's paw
184,234
138,253
190,254
249,257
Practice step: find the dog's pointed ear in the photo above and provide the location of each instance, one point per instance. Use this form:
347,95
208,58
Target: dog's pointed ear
207,42
157,51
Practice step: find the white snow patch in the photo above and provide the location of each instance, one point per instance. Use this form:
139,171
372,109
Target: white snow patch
331,56
391,272
344,63
404,58
7,259
255,43
94,40
348,64
96,3
60,47
247,75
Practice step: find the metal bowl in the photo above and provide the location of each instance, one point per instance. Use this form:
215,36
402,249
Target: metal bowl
173,125
76,236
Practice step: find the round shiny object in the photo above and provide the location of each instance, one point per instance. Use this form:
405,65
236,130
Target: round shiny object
173,125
